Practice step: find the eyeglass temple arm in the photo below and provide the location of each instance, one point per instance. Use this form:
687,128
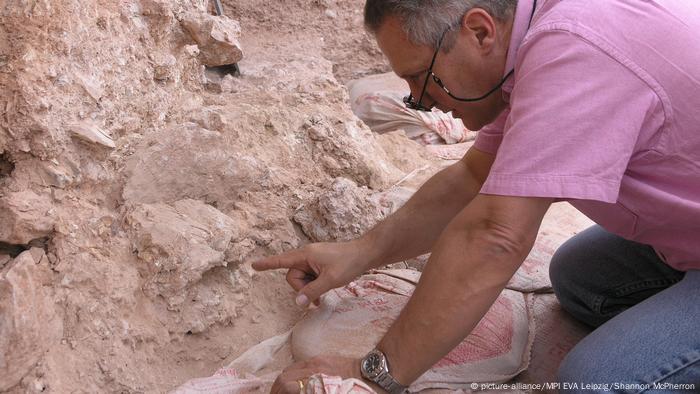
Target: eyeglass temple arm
430,69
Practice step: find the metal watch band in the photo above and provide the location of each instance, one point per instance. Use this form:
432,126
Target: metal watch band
382,377
388,383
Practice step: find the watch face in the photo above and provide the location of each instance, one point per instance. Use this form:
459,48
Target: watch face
372,364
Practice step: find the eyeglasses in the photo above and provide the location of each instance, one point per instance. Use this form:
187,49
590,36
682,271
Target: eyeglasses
412,104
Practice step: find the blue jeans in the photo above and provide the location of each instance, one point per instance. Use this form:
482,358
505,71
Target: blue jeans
646,317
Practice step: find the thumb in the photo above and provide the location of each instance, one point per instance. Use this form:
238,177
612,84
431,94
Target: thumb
312,291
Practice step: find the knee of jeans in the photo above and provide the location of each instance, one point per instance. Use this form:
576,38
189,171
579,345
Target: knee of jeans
578,366
562,269
565,275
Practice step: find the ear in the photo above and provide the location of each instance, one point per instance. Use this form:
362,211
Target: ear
480,27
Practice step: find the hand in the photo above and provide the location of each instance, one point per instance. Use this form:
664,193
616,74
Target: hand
345,367
316,268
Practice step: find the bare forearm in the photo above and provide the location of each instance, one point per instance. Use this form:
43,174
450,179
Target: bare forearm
456,289
470,265
414,228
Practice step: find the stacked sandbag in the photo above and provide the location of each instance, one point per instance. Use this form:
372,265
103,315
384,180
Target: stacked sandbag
557,333
351,321
378,101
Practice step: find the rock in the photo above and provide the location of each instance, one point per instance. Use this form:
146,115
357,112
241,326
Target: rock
210,119
91,133
60,173
343,212
405,153
58,176
192,50
4,259
29,324
91,85
190,162
164,67
25,216
179,243
391,200
160,17
216,36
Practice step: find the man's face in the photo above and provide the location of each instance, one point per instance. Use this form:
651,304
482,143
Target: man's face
474,64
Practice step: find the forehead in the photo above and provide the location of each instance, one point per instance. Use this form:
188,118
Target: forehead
404,56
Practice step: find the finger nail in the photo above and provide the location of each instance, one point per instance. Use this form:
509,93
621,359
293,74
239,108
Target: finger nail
302,300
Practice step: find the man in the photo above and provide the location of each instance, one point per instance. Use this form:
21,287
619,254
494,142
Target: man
595,102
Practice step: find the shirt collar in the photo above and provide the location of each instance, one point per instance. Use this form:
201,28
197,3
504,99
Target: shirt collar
520,25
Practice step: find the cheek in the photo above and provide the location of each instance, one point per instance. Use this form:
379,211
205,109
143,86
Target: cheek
415,85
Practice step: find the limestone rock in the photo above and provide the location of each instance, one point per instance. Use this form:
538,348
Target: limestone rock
160,16
210,119
179,243
91,133
391,200
28,322
190,162
60,173
343,212
164,67
4,259
216,36
25,216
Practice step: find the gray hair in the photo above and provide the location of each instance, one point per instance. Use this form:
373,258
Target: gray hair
424,21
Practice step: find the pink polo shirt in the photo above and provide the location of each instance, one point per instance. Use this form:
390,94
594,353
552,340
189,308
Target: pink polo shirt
604,112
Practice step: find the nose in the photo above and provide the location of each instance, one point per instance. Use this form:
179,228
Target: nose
416,90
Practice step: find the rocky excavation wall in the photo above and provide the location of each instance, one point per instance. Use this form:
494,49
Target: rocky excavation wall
135,181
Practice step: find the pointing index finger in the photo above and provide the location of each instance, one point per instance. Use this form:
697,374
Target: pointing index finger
284,260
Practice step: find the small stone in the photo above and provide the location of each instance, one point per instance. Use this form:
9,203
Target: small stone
91,133
24,216
179,243
216,36
29,323
92,86
4,259
192,50
37,254
164,67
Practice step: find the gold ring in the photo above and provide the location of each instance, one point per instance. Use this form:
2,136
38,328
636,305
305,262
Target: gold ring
301,386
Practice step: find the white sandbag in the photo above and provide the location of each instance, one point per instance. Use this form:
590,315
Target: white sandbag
224,381
260,355
450,152
238,377
378,101
351,321
324,384
229,381
557,333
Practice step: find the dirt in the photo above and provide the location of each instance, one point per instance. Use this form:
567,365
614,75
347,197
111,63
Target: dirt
136,184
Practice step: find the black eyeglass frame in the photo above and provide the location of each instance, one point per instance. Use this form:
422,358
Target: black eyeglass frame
411,104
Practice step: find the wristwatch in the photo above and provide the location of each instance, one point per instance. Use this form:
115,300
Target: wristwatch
374,367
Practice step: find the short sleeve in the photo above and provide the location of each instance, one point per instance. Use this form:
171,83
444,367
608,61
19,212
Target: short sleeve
575,117
489,137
